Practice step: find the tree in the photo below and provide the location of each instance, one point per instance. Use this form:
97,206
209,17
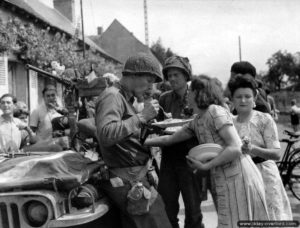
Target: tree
41,46
160,51
282,69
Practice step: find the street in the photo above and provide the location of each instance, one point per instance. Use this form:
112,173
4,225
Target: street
210,218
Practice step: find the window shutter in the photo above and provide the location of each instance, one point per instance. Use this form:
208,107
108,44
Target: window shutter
3,75
33,93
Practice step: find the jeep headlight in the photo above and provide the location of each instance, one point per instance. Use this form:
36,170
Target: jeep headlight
36,213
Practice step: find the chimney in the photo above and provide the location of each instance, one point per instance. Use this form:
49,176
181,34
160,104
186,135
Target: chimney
99,31
66,8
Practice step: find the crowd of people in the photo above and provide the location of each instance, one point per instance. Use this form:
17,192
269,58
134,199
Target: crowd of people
243,179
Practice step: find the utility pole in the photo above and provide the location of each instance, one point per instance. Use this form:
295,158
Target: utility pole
240,49
146,23
82,28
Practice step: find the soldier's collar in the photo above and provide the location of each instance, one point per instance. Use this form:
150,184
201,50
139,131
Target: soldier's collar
127,94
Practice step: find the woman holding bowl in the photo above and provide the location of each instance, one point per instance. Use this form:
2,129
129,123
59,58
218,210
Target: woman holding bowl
238,182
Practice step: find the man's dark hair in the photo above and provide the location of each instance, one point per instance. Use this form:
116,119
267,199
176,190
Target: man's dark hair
243,67
49,87
14,99
207,91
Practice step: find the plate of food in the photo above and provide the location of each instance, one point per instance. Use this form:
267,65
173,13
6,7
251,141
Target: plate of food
205,152
171,122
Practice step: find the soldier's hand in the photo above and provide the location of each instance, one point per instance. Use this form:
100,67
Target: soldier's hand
153,178
62,110
150,110
53,105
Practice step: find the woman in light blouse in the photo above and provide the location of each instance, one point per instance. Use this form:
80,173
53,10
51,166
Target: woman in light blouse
262,143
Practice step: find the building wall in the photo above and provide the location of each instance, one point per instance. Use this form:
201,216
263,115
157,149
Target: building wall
17,73
3,75
41,86
18,82
21,83
66,8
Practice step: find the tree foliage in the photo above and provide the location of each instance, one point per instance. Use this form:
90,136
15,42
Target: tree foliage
283,70
160,51
40,47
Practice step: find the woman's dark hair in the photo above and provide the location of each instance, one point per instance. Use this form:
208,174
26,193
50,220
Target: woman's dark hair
208,91
14,99
242,81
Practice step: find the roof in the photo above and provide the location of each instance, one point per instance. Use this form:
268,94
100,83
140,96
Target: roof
55,19
120,42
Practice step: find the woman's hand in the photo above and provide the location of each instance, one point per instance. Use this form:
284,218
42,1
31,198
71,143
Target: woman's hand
195,164
247,145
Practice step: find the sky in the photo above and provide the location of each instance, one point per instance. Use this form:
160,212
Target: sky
205,31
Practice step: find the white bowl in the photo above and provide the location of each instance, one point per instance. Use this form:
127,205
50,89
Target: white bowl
171,123
205,152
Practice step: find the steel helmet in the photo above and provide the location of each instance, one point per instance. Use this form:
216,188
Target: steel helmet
142,64
179,62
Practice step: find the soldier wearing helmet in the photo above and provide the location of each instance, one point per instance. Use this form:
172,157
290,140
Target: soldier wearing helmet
118,129
175,176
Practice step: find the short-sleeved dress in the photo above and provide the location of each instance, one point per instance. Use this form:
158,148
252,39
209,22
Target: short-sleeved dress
239,185
262,131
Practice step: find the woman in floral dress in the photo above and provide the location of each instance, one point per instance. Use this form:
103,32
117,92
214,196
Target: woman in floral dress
238,182
261,142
